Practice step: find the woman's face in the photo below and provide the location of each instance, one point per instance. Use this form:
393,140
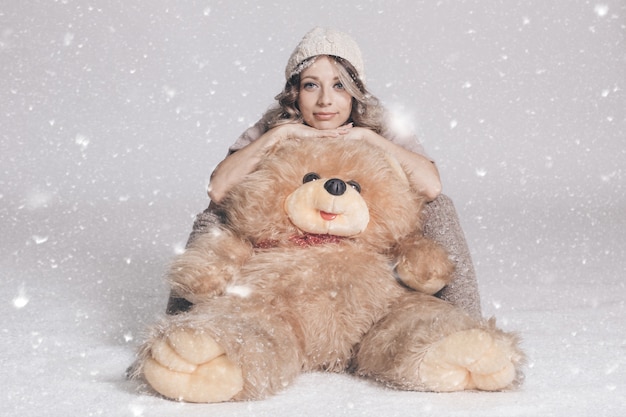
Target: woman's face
322,99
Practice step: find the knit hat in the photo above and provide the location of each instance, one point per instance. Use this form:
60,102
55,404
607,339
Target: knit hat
320,41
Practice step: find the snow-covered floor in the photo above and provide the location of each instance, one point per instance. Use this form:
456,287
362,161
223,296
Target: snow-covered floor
114,116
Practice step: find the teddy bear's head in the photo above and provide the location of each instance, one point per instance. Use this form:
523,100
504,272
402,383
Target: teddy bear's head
324,187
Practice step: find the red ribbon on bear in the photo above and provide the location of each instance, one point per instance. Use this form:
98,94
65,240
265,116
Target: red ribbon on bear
309,239
304,241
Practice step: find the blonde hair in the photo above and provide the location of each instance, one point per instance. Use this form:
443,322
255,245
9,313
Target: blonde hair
366,109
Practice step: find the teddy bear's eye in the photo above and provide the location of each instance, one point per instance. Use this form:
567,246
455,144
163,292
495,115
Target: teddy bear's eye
355,185
311,176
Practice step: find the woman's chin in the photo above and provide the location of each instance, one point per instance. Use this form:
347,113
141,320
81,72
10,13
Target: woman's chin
325,125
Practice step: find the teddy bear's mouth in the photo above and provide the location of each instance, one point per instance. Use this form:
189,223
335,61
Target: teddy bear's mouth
327,216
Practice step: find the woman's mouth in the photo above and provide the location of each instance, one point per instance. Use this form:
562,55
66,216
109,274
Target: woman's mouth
324,116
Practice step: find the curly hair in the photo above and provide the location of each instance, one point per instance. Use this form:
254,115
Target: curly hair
366,109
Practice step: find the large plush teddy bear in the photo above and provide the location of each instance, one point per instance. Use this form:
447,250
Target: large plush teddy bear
320,264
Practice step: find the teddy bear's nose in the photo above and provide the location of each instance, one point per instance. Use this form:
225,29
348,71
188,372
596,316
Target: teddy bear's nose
335,186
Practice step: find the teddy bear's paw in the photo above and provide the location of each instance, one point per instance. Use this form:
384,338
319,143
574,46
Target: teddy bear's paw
207,265
190,366
471,359
199,279
427,270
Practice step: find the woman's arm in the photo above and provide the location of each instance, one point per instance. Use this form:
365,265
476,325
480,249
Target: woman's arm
422,172
236,166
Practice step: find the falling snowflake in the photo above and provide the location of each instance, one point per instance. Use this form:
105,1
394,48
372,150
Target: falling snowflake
601,10
21,299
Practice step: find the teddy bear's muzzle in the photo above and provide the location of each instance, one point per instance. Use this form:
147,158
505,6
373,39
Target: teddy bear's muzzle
329,206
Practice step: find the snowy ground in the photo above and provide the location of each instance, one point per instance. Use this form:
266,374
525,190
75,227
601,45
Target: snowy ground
114,115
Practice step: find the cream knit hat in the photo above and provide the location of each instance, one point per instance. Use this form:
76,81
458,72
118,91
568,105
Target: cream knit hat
320,41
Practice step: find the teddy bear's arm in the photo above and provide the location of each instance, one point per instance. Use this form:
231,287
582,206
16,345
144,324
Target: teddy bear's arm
208,265
423,264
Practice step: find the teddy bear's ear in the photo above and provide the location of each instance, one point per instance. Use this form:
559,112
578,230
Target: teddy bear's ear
397,168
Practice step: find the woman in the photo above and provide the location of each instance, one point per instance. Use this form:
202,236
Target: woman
325,96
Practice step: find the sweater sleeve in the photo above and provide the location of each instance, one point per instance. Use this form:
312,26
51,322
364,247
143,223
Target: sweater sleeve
248,136
403,136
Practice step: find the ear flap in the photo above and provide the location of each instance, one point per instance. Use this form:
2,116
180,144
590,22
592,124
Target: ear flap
397,168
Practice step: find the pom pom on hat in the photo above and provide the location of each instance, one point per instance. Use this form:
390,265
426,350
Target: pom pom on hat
320,41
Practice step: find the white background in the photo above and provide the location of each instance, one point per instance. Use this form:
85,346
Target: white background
114,113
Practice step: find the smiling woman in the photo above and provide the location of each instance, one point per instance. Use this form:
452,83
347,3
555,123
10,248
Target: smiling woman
325,97
323,101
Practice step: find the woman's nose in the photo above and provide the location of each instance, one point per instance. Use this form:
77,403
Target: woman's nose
324,98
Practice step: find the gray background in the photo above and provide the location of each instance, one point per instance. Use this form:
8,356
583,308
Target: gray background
113,115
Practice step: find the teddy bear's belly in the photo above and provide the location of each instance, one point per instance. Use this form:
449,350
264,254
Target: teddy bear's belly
330,304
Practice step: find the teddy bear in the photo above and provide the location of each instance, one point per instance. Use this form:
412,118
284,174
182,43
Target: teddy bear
320,264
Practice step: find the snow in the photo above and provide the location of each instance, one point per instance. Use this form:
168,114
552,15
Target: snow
113,117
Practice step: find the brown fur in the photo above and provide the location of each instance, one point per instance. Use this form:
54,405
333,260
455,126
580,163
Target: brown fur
285,309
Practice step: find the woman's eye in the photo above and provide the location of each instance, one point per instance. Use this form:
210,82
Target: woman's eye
339,86
311,176
355,185
308,85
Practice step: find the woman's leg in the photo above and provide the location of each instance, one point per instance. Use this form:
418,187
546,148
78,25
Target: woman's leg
204,221
441,224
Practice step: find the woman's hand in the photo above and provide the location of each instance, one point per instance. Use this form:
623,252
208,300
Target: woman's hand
362,133
302,131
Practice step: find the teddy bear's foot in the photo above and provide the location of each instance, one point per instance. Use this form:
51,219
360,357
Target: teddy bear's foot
471,359
190,366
